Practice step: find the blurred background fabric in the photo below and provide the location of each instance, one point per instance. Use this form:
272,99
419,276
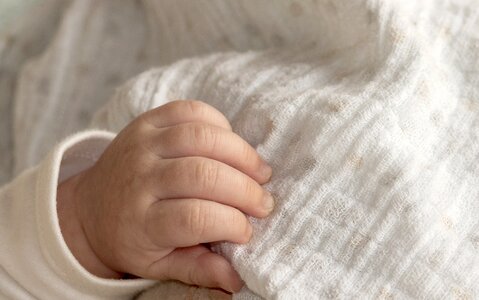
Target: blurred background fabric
21,38
11,9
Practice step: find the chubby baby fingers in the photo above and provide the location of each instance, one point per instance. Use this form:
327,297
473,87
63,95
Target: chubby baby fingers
201,139
199,266
204,178
184,111
189,222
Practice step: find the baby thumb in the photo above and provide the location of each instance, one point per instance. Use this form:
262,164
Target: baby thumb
198,266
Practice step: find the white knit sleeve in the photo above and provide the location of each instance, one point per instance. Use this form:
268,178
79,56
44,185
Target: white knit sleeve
35,262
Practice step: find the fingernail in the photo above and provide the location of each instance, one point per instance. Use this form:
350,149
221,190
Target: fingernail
268,201
249,234
236,284
266,170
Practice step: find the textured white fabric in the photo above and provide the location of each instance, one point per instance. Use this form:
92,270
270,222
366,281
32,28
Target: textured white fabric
367,111
373,187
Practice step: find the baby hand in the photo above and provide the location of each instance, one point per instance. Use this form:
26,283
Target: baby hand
175,178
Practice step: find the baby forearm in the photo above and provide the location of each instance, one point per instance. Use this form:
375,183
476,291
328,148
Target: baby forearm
73,232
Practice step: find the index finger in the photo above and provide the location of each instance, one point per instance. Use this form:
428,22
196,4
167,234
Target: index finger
196,139
185,111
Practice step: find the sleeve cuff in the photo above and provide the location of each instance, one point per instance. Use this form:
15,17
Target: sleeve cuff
74,155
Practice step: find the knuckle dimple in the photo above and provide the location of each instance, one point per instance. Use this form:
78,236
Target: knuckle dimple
205,137
136,130
206,175
179,138
195,222
144,120
175,171
141,120
195,107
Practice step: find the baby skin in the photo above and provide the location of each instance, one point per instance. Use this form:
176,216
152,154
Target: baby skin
172,181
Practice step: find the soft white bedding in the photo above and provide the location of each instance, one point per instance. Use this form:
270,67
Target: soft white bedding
11,9
367,110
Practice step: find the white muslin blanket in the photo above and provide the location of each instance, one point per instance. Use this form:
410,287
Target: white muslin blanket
375,150
368,112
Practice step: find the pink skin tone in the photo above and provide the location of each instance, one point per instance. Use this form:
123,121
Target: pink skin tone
175,178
